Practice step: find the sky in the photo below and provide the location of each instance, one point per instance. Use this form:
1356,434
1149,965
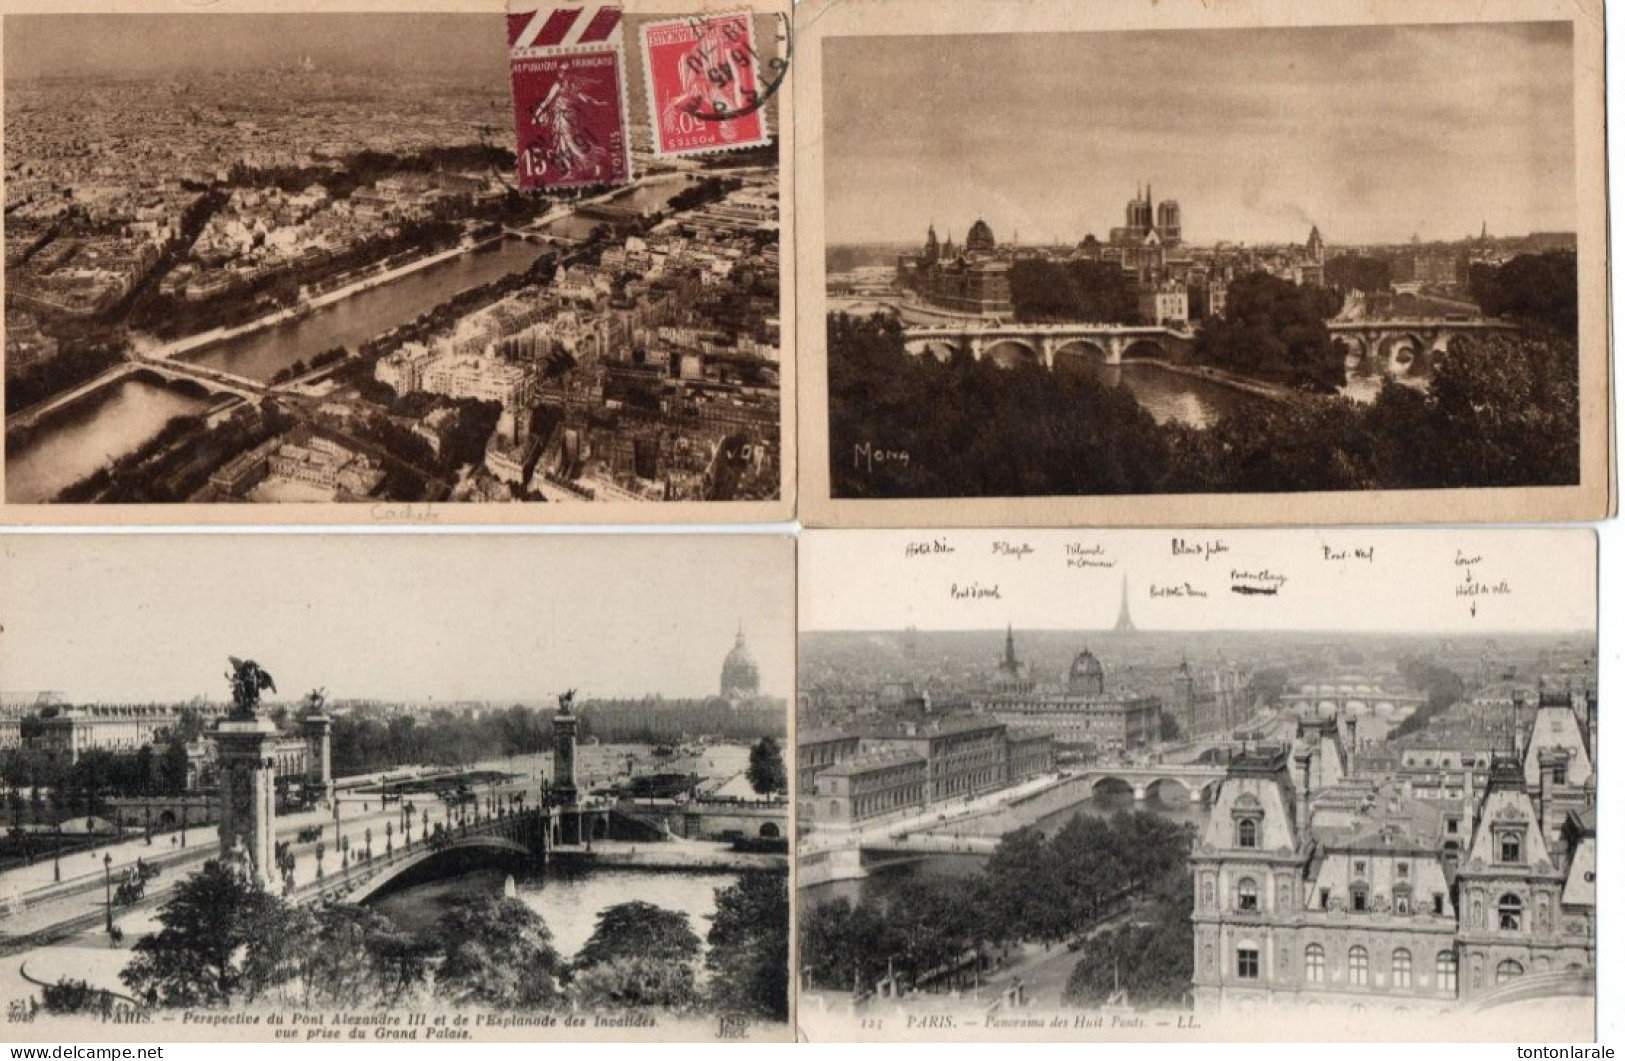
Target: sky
134,618
866,580
1373,133
460,46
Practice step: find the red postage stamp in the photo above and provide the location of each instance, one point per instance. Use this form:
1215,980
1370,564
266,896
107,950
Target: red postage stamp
704,84
569,97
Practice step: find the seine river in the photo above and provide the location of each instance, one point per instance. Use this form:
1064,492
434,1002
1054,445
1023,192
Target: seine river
352,321
568,900
76,441
1174,397
880,885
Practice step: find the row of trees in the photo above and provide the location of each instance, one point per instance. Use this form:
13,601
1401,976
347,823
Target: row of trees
177,462
1275,330
69,368
1540,289
1443,686
363,744
223,940
1150,957
158,768
1033,887
1500,411
299,368
1042,290
1357,272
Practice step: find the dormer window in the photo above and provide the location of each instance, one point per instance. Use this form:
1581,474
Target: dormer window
1510,909
1402,899
1359,868
1357,898
1438,904
1510,845
1403,870
1247,833
1560,774
1248,814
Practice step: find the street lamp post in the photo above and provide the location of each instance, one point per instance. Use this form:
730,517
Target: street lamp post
107,872
56,854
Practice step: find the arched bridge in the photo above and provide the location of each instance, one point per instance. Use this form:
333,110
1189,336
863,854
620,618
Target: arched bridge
1406,347
1195,779
213,379
1330,700
1046,344
523,834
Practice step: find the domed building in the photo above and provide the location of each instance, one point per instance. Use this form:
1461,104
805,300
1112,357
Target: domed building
1087,677
980,239
973,279
740,679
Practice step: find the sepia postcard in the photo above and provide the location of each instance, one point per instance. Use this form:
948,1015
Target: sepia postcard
1252,262
1200,785
388,262
403,788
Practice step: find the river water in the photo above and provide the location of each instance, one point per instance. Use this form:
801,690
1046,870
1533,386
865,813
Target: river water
1174,397
568,900
77,440
880,885
352,321
650,195
120,418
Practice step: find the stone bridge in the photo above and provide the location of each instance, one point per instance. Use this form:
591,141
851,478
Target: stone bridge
213,379
1406,347
523,834
1194,779
1330,700
1046,344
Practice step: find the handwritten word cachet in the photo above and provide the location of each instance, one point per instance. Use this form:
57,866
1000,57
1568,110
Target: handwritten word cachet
705,86
569,98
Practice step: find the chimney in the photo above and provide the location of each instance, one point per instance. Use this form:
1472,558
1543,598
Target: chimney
1303,795
1545,794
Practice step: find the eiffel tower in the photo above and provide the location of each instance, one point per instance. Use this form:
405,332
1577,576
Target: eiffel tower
1125,622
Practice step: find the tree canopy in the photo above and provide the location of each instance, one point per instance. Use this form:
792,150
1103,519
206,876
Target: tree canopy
216,927
1033,887
639,930
498,952
1499,410
1083,290
766,772
749,956
1539,288
1275,329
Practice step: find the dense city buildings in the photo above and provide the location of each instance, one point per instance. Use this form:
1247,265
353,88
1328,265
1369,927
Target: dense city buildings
1321,882
894,770
1351,843
972,279
291,249
1081,714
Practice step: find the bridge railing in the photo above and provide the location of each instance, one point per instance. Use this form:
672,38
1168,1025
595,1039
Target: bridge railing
363,871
